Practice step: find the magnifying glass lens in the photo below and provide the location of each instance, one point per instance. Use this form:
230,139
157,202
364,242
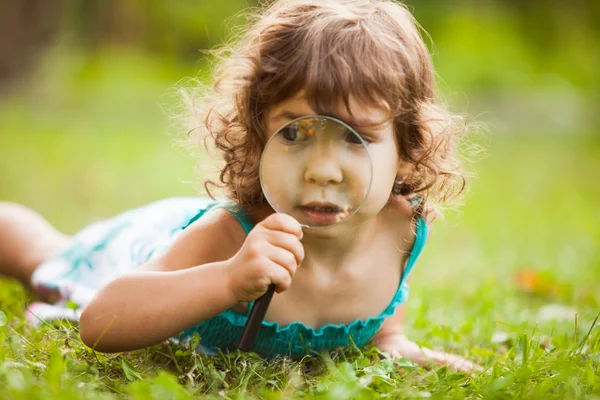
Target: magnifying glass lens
316,169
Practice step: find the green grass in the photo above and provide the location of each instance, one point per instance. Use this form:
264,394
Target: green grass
534,205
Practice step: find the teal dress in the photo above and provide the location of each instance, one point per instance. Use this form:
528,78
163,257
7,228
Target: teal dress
110,248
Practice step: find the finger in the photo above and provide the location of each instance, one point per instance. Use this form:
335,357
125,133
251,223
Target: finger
284,259
283,222
462,364
456,363
289,242
280,277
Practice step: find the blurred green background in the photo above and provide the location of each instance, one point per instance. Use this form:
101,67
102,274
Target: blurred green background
87,129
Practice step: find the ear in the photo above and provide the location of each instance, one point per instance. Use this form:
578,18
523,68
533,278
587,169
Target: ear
404,170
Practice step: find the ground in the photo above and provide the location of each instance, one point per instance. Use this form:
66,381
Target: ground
510,280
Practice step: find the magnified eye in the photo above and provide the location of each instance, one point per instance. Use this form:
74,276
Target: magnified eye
294,133
290,132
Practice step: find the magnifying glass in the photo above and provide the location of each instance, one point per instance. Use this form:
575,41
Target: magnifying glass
316,169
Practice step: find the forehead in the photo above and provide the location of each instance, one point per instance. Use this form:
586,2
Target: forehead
357,114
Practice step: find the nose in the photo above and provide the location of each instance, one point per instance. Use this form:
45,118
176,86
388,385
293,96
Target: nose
323,168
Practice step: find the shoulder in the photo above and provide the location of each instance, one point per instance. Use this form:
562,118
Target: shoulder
216,236
220,222
397,218
400,208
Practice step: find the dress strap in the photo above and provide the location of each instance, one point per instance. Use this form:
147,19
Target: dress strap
239,213
242,216
421,235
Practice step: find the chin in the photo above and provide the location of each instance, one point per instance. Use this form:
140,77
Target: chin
328,232
338,230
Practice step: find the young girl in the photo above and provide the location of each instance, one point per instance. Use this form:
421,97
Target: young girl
192,265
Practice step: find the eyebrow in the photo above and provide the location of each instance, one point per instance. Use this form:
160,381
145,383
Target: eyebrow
353,123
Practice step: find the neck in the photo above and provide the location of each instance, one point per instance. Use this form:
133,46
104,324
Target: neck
334,252
330,252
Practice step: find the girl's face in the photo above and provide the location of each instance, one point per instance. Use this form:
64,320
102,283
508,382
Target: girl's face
327,178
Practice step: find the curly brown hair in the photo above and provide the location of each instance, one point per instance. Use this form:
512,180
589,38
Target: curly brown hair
332,50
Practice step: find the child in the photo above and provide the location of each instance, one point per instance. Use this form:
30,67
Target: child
187,265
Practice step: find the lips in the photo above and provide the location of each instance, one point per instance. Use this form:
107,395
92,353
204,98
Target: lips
321,207
324,213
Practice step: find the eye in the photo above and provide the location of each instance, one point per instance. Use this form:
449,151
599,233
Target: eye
353,138
290,132
294,133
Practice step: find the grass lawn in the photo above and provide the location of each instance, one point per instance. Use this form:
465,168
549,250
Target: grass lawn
512,280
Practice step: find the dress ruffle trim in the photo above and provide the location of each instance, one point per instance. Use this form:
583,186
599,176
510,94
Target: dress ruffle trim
400,297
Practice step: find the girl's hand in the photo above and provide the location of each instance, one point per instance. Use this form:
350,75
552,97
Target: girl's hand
270,255
399,346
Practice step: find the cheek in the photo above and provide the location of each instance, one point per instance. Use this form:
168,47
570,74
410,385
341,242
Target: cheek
278,178
385,168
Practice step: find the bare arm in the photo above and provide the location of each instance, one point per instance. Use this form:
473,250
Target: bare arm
212,267
392,340
392,326
185,286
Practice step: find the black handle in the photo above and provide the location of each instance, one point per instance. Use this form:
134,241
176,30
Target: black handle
257,314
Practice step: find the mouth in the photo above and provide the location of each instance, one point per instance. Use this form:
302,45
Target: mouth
324,213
